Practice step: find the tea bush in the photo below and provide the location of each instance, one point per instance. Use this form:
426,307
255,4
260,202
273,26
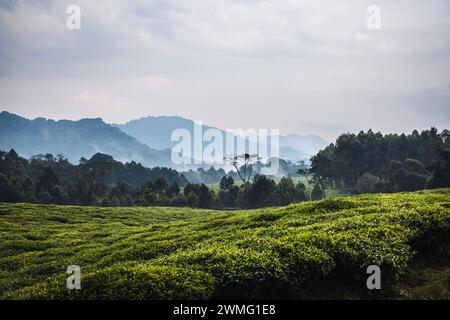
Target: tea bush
298,251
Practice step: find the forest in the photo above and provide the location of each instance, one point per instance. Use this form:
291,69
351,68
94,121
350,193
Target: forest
371,162
102,181
368,162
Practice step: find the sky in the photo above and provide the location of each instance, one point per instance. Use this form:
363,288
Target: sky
306,67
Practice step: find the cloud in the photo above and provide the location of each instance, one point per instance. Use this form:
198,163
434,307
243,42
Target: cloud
89,97
295,65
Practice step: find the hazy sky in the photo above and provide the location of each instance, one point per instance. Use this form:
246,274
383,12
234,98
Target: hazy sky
298,66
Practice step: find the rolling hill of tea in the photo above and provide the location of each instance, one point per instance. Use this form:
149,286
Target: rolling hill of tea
307,250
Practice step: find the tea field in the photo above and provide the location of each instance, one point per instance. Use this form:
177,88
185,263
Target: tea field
310,250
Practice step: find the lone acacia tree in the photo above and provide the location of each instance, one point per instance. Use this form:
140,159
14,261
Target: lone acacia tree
243,164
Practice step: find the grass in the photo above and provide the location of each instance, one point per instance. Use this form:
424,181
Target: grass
315,249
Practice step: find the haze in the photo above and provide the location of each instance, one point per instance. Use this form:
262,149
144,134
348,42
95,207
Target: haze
308,67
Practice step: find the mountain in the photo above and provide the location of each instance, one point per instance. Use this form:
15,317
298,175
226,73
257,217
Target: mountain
75,139
146,140
156,133
292,154
308,144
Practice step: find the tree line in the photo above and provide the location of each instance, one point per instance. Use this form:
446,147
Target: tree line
103,181
367,162
370,162
211,175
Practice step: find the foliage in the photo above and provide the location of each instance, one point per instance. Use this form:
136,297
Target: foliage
105,182
211,175
441,170
298,251
317,192
395,162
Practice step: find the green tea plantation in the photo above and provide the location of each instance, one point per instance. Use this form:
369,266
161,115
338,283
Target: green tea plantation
310,250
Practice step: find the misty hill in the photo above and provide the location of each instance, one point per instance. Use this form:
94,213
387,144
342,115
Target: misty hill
156,133
308,144
75,139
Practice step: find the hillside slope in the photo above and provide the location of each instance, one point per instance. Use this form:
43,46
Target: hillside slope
75,139
156,133
307,250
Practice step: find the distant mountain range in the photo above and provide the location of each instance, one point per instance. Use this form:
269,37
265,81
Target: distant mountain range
156,133
74,139
146,140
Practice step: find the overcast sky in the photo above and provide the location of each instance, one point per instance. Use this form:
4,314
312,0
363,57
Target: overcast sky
308,67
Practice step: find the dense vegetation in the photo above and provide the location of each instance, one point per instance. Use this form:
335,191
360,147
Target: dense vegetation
364,163
371,162
103,181
99,180
308,250
212,175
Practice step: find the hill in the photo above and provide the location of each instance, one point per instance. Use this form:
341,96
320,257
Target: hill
75,139
146,140
156,132
308,144
308,250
